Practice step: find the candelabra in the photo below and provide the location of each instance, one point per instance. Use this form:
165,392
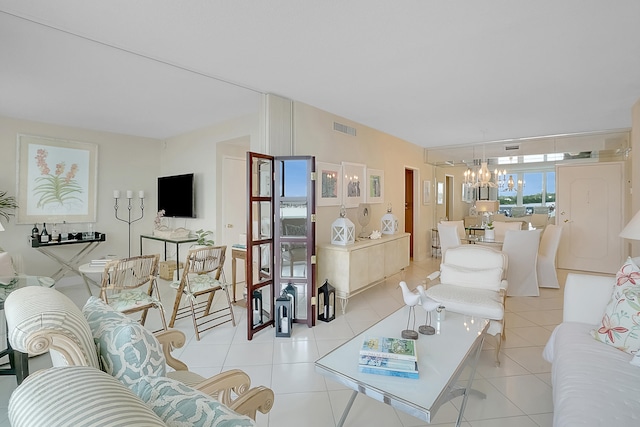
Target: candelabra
129,221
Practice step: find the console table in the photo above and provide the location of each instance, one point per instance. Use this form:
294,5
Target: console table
354,268
83,248
165,240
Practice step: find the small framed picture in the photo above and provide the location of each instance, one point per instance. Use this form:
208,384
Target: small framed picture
426,192
440,193
375,186
328,184
353,184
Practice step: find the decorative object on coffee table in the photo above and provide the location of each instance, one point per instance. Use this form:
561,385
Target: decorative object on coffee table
429,305
411,299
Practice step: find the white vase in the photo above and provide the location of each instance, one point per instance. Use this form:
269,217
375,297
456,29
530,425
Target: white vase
489,234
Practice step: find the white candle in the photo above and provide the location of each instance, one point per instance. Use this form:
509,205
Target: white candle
129,194
116,194
141,194
285,325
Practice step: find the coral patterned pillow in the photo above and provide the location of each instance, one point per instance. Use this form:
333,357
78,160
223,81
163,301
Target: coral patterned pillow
620,325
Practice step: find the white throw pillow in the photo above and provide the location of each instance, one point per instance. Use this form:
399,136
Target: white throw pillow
620,326
489,278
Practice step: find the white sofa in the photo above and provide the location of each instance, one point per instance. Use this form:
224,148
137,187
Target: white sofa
594,384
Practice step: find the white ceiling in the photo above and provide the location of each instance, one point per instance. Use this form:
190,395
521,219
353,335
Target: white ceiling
431,72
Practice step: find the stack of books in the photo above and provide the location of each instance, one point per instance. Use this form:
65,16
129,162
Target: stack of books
101,262
396,357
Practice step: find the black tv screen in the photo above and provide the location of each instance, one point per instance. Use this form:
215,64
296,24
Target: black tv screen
176,195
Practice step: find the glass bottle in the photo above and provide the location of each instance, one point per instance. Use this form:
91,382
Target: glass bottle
44,235
35,233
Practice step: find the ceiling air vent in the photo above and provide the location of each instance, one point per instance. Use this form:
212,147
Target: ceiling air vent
344,128
511,147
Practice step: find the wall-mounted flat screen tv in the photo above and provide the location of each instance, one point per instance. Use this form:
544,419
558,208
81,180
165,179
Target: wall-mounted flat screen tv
176,195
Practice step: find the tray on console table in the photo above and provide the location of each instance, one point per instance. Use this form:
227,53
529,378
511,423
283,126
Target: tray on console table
98,237
354,268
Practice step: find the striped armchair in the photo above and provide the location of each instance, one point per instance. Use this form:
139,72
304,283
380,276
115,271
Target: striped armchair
101,338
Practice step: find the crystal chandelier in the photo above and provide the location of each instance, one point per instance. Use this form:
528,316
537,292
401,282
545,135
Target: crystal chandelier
483,177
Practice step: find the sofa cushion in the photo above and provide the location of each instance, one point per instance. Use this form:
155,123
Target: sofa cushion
77,396
488,278
127,350
181,406
593,384
620,325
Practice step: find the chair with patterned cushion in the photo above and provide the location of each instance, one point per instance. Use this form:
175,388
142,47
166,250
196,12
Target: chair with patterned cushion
123,282
473,282
44,320
202,278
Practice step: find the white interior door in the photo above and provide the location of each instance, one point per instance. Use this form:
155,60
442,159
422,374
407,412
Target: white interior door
234,189
589,206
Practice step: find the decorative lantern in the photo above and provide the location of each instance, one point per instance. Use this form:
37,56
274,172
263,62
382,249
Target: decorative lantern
326,302
256,300
284,318
389,222
292,294
343,231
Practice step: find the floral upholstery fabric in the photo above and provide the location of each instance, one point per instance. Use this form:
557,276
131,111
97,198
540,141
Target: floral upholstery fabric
126,300
127,350
181,406
198,283
620,326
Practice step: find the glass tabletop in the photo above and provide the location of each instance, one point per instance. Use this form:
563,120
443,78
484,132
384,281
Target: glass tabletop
9,284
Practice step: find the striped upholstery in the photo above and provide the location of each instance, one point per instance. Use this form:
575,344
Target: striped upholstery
43,319
127,349
181,406
77,396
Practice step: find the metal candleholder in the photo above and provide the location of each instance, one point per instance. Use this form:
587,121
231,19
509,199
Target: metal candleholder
129,221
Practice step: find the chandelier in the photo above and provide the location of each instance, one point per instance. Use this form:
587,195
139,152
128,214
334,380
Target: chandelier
483,177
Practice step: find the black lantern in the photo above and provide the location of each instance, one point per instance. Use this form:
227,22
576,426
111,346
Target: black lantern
284,319
256,301
292,293
327,302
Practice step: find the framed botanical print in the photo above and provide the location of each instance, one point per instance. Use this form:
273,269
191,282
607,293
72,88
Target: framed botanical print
57,180
328,184
375,186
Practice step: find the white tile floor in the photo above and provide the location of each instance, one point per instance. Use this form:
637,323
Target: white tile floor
518,392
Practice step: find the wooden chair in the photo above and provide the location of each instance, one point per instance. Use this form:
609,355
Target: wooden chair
203,275
122,286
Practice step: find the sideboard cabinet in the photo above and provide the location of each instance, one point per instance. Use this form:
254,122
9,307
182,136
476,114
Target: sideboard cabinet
354,268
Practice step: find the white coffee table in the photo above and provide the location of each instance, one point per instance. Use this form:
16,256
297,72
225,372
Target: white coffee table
441,359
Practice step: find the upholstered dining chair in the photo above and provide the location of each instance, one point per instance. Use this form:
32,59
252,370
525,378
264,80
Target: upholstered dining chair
546,265
123,286
459,226
202,277
521,246
449,237
472,281
500,228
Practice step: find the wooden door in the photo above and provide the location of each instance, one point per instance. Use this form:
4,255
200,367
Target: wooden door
589,206
260,225
408,207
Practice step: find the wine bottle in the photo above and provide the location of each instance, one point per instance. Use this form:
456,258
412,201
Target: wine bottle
35,233
44,235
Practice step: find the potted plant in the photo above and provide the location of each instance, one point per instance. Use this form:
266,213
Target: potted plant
201,235
489,233
7,205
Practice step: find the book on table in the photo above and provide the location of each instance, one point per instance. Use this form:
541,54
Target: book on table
388,356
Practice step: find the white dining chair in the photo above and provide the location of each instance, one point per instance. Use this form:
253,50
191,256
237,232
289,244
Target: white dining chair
449,237
500,228
546,266
521,247
459,225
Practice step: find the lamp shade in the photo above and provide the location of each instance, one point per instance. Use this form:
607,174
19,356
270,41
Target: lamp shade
632,229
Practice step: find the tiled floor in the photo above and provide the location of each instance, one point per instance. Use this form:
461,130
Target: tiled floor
518,393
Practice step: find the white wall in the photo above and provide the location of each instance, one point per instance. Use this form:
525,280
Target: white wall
124,162
314,135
